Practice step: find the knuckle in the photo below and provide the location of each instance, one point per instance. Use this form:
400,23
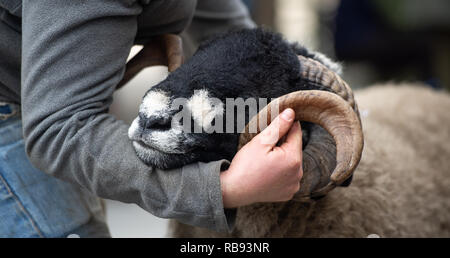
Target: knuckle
291,193
285,198
290,196
300,175
294,189
297,188
295,162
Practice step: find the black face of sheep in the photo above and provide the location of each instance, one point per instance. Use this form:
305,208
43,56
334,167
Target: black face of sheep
248,64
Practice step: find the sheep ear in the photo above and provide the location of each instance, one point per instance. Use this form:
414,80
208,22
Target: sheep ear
161,50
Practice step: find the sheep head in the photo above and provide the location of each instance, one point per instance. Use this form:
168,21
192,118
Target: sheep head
251,64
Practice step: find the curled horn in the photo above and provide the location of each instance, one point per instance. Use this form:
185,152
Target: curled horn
317,73
335,111
165,50
327,110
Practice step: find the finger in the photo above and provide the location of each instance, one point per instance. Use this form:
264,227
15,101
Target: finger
133,67
293,147
277,129
174,51
151,54
161,50
293,143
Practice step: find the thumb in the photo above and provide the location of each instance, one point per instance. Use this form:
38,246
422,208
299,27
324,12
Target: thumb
277,129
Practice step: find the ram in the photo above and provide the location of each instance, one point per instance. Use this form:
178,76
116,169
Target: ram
251,65
401,187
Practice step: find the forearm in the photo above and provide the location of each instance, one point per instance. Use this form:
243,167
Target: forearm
73,57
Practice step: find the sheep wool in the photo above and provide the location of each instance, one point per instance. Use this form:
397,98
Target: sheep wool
400,189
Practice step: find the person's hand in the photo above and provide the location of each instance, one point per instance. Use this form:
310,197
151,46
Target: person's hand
164,49
262,171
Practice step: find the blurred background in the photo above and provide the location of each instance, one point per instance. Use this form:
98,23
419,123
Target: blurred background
376,41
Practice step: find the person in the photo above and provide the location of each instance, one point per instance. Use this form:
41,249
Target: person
60,150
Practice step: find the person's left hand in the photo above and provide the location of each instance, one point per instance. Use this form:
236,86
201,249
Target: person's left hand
165,50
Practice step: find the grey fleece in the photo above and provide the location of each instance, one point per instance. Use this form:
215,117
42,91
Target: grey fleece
62,60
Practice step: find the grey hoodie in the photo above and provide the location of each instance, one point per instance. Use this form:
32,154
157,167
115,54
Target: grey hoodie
61,60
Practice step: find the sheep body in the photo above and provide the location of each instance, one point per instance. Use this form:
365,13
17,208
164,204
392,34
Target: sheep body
400,189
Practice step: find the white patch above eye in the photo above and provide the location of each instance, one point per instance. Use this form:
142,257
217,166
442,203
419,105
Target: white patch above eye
154,102
204,108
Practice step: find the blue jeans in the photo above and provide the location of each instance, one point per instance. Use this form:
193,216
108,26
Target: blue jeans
33,204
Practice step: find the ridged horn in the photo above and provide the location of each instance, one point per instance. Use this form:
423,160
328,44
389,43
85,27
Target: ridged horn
317,73
329,111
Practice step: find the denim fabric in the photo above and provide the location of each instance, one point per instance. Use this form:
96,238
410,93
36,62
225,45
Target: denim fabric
33,204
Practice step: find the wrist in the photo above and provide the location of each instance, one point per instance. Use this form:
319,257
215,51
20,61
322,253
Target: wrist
231,197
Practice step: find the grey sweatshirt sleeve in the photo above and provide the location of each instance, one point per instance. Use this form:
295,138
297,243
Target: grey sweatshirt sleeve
73,55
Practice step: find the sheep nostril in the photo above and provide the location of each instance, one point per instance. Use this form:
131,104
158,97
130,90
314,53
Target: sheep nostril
158,123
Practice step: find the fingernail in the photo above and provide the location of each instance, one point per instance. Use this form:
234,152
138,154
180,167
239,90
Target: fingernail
288,114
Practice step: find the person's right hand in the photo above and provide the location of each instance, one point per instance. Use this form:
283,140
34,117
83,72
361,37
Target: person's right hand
262,171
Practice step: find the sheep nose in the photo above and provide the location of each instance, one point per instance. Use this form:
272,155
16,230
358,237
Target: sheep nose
157,123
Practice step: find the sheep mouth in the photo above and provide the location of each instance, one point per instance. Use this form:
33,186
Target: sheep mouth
140,145
161,159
